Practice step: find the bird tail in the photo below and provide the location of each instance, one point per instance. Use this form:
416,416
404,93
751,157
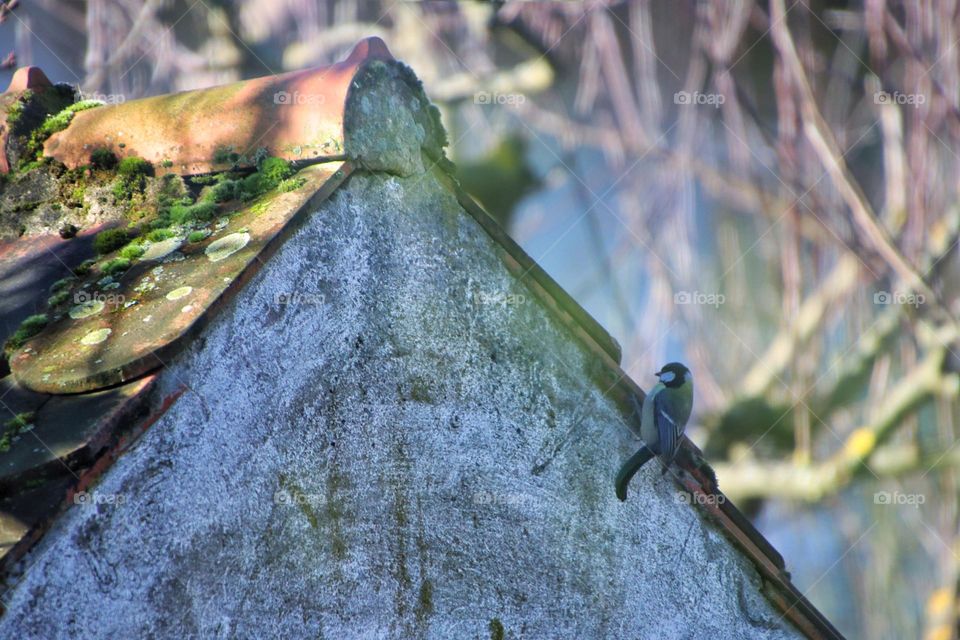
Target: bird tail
629,469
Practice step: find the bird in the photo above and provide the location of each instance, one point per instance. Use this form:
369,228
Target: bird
663,418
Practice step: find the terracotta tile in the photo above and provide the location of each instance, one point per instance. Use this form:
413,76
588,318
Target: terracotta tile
295,116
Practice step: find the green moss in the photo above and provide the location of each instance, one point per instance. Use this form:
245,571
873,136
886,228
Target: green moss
58,298
133,166
159,235
253,185
30,166
115,266
132,251
20,420
260,208
103,159
122,190
84,267
33,484
172,186
166,164
225,186
15,110
132,176
30,327
54,123
425,600
274,170
62,283
204,180
198,236
201,211
496,629
59,121
420,391
16,426
110,240
224,191
291,184
225,155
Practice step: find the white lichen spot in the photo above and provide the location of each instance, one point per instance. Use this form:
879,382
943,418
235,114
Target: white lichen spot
187,309
148,318
226,246
86,309
162,249
179,292
96,337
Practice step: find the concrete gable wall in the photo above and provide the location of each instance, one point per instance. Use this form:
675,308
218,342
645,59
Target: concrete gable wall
410,448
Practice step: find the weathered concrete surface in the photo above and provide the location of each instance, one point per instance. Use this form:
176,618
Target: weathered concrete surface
355,460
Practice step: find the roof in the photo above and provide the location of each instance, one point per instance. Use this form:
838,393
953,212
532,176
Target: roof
129,263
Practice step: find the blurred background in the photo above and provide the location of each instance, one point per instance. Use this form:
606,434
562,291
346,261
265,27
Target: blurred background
765,190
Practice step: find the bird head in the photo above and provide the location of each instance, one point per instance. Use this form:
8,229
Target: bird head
674,375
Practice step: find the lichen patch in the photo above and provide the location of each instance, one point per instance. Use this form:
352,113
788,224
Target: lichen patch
179,292
226,246
96,337
86,309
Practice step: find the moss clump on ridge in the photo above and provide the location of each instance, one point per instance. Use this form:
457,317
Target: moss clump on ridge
14,427
132,174
115,266
110,240
103,159
31,326
54,123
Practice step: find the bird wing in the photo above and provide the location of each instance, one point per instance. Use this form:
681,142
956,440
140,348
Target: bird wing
669,429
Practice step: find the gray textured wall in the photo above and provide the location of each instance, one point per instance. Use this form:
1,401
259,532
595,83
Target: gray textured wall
358,463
